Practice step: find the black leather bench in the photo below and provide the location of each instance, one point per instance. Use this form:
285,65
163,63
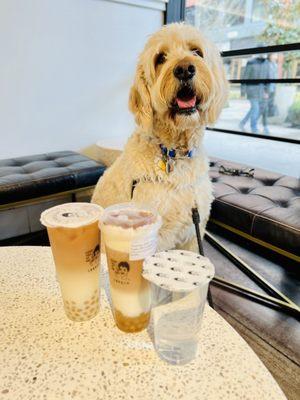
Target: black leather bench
264,208
30,184
25,178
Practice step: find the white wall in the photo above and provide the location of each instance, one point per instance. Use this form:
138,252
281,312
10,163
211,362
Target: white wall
65,71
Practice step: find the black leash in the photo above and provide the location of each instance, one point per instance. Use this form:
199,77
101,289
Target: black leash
196,222
133,185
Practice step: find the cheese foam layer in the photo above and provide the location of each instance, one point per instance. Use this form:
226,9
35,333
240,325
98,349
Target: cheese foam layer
122,224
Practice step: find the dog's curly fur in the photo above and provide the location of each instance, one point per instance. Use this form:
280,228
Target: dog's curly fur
151,98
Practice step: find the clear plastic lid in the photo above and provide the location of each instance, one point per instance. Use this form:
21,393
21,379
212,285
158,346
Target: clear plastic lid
71,215
178,270
129,215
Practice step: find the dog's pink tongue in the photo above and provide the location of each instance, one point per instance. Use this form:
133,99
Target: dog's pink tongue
186,103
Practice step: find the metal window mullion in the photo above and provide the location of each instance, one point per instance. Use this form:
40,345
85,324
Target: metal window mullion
255,135
264,81
260,50
175,11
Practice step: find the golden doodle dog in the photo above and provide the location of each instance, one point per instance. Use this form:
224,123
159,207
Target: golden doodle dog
179,88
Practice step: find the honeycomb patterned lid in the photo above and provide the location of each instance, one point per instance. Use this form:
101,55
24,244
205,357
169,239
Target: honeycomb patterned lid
178,270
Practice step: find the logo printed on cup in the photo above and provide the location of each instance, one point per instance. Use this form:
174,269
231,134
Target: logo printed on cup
92,257
121,271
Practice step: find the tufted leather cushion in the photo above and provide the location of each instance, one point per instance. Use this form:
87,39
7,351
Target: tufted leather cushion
29,177
266,207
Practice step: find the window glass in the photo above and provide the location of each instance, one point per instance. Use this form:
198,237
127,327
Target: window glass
272,109
237,24
264,66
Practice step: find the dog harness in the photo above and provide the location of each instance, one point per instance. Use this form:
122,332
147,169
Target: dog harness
167,161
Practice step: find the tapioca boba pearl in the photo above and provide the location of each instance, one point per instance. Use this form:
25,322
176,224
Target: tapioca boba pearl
133,328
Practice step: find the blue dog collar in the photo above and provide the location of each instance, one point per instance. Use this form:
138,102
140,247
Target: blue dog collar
172,153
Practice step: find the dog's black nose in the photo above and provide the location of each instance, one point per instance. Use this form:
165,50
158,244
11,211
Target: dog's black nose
184,72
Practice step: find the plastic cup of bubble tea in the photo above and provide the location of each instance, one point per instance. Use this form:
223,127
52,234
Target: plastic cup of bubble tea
75,243
179,284
129,232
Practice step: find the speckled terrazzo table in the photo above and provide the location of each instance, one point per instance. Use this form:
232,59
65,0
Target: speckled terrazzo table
43,355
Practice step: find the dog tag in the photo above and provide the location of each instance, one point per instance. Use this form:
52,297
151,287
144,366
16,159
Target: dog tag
160,164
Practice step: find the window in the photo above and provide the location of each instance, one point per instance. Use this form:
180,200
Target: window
238,24
243,30
260,43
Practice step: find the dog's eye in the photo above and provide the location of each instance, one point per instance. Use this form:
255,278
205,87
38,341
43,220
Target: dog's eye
197,52
160,59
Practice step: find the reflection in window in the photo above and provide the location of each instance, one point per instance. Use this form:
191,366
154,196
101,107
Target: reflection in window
283,65
211,13
236,24
272,109
259,10
264,108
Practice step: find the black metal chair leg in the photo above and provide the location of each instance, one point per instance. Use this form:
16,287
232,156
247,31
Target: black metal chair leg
243,266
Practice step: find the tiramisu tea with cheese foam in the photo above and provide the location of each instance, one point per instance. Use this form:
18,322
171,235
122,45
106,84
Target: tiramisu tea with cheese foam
130,233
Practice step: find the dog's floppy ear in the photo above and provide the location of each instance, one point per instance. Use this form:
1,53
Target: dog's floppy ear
139,100
220,87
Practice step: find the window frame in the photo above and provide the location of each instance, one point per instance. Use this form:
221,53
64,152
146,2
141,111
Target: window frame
175,12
